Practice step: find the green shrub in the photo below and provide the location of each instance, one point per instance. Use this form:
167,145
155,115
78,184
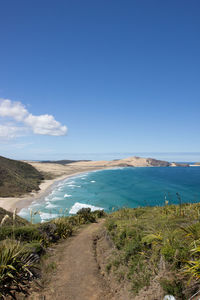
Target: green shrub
73,220
16,268
34,247
85,216
99,213
48,232
63,228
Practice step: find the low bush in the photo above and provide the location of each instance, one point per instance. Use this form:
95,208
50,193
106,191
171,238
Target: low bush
99,213
34,247
63,228
85,216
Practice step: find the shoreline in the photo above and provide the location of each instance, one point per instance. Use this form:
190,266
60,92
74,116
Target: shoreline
18,203
62,172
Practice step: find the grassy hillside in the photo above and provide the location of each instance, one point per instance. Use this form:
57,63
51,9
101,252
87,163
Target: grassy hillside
17,178
157,250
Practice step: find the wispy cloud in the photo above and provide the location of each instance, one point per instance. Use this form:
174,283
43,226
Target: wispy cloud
24,121
9,131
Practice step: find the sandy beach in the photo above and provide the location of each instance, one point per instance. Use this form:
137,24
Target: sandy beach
61,172
12,203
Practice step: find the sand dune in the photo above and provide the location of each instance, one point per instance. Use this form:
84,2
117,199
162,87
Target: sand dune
81,166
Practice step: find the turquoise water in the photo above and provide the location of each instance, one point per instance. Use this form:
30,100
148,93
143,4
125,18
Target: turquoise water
115,188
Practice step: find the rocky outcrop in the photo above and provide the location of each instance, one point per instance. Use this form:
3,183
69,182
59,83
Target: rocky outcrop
179,165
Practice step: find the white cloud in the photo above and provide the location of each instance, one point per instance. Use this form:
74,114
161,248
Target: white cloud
12,109
45,124
42,124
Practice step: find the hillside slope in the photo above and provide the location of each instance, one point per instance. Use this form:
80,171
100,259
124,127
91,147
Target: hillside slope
9,220
17,178
156,251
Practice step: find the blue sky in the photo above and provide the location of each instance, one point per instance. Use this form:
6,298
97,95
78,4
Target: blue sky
122,76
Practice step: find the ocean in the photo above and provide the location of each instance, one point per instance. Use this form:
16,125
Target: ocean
116,188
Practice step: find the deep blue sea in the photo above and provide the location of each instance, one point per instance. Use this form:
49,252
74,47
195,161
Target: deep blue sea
116,188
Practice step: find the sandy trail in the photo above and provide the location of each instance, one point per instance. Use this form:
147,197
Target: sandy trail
77,276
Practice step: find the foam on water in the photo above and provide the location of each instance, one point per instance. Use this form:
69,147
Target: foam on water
77,206
60,188
57,198
67,195
50,205
119,187
47,216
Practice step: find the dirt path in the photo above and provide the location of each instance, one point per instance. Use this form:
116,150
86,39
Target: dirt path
77,275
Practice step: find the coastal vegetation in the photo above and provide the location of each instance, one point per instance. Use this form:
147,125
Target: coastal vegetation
17,178
153,248
156,248
23,245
